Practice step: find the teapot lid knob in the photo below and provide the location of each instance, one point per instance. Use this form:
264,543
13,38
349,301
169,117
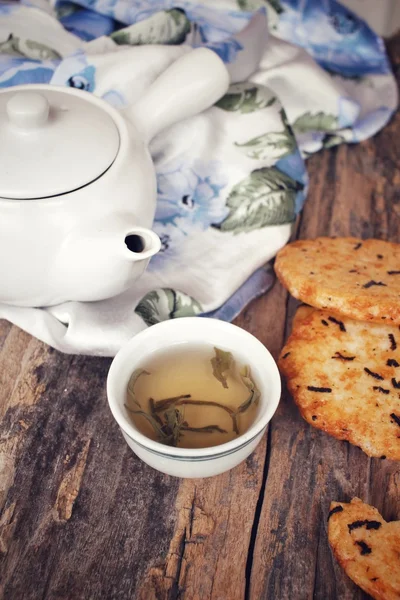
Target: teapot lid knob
28,110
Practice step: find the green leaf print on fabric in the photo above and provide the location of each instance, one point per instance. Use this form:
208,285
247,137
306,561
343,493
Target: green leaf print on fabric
330,141
266,197
250,5
15,46
276,5
274,144
246,98
315,122
165,27
66,10
163,304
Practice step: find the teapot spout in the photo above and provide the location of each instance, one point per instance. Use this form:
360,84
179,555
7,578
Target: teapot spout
103,260
141,244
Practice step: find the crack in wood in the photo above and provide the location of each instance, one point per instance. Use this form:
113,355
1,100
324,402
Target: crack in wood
24,391
7,526
7,467
70,486
181,566
257,517
317,552
19,366
168,581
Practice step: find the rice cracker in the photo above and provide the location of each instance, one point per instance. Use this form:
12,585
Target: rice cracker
344,376
356,278
367,547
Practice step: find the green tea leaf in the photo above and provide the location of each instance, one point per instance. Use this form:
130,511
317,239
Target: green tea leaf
161,436
133,379
172,428
206,429
153,412
167,432
251,385
185,400
165,403
221,363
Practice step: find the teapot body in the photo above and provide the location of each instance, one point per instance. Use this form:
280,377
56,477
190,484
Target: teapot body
76,246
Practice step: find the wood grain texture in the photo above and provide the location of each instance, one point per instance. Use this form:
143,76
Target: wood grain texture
82,518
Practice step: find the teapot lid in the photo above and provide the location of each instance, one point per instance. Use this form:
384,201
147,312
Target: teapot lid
52,141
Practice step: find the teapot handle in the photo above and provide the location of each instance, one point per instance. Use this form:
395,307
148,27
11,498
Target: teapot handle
193,83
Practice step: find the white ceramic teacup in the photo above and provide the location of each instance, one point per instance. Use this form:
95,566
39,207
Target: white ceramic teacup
194,462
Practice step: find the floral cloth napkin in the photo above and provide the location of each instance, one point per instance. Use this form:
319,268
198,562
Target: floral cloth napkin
305,75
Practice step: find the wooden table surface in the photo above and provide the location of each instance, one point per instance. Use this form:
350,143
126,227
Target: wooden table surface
81,517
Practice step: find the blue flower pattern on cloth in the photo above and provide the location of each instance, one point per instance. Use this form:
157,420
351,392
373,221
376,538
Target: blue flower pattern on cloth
337,39
24,71
86,24
191,192
84,80
231,181
172,237
189,200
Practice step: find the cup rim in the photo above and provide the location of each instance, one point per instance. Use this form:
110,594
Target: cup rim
165,327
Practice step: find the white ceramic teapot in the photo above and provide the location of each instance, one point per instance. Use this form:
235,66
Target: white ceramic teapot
78,186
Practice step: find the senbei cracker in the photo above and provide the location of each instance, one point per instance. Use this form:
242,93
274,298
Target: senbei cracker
367,547
351,277
345,380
